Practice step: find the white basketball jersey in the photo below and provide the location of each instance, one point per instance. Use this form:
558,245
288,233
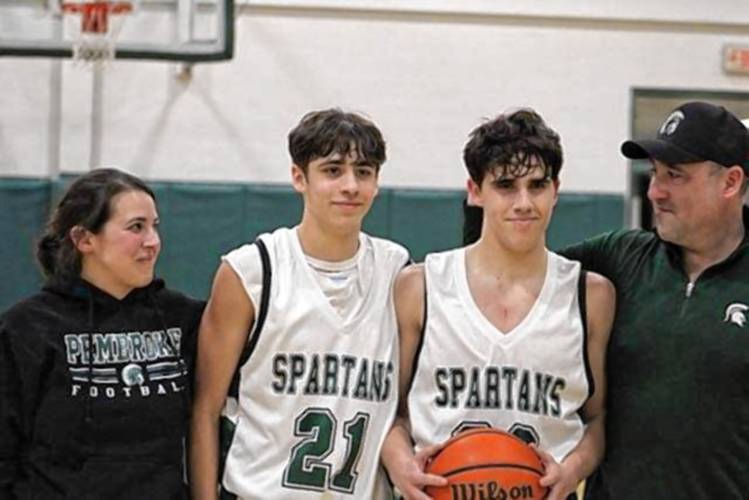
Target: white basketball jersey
530,381
318,394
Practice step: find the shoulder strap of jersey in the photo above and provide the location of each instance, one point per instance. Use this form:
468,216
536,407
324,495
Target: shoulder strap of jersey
420,345
264,297
262,312
582,301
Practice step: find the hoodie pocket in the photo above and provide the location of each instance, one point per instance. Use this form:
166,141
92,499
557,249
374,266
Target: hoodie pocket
132,479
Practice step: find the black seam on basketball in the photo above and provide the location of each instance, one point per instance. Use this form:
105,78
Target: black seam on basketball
492,466
474,432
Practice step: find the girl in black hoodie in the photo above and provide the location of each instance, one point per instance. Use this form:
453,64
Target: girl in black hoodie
95,369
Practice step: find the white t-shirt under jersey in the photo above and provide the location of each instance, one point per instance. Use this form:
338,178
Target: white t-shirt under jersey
344,283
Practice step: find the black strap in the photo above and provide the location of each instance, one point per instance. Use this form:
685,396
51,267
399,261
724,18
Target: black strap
582,301
264,298
262,313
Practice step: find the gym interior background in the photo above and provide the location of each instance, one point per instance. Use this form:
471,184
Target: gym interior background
209,131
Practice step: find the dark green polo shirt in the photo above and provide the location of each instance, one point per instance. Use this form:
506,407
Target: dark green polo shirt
678,372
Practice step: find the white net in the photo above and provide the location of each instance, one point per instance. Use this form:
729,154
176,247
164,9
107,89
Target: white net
93,27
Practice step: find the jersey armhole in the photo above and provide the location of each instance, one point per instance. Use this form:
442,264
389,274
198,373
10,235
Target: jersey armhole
417,352
254,334
582,303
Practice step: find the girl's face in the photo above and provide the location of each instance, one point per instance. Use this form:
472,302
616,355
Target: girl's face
123,254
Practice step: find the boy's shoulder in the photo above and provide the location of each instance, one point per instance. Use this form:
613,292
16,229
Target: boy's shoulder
386,247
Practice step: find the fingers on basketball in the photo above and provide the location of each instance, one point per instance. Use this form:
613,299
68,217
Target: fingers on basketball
425,455
552,469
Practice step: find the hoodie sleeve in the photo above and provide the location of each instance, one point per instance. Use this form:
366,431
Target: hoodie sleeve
190,340
10,414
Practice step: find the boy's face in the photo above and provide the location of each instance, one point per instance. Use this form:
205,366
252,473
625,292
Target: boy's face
338,190
517,210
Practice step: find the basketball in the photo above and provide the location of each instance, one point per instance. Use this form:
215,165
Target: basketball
486,463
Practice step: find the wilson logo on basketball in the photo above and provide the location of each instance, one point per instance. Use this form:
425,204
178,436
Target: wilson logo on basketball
490,490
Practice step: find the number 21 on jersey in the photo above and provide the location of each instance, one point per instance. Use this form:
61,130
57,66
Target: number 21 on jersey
307,468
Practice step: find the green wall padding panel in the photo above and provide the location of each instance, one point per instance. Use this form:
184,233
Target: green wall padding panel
578,216
24,205
426,221
200,222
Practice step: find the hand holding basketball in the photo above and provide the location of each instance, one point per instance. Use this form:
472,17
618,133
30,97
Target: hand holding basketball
559,478
409,476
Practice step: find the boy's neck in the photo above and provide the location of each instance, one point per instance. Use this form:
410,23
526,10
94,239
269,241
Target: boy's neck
330,246
494,260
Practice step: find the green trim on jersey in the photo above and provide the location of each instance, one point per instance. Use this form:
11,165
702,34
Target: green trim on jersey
678,366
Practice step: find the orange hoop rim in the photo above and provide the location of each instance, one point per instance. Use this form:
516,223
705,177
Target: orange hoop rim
99,6
96,14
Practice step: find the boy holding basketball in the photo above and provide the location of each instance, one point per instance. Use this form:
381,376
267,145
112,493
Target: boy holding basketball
503,333
315,392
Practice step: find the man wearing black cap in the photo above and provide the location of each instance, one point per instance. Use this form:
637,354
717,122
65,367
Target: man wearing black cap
678,361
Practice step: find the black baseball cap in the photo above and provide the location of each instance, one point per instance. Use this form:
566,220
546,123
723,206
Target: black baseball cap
693,132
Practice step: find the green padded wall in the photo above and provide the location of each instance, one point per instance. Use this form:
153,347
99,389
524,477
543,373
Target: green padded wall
200,222
24,205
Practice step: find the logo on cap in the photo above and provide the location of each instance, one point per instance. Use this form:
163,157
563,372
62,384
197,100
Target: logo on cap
671,123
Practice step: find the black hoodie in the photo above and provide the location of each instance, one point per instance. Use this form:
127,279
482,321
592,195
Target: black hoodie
107,426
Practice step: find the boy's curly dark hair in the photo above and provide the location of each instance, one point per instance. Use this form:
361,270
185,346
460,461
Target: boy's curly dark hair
513,142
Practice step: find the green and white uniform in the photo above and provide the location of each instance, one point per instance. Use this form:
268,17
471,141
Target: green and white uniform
319,391
531,381
678,372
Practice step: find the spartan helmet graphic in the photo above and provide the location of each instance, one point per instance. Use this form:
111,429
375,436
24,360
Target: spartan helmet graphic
132,374
672,122
736,314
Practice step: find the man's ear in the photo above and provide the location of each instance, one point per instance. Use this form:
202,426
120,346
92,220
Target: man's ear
734,181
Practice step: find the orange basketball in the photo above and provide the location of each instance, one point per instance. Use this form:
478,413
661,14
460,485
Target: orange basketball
486,463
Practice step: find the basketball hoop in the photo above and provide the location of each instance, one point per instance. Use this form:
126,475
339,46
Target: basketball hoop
95,36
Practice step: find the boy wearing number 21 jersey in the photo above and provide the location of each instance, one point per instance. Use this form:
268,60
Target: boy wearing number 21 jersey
312,389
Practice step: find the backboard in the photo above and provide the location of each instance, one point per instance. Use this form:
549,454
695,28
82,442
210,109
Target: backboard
172,30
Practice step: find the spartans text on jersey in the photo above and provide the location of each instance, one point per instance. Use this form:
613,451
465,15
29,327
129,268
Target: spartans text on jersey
506,387
332,374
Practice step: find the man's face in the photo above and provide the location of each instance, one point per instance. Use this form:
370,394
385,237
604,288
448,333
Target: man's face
686,200
338,190
517,210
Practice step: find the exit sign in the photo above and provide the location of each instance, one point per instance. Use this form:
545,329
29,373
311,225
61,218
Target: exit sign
736,59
